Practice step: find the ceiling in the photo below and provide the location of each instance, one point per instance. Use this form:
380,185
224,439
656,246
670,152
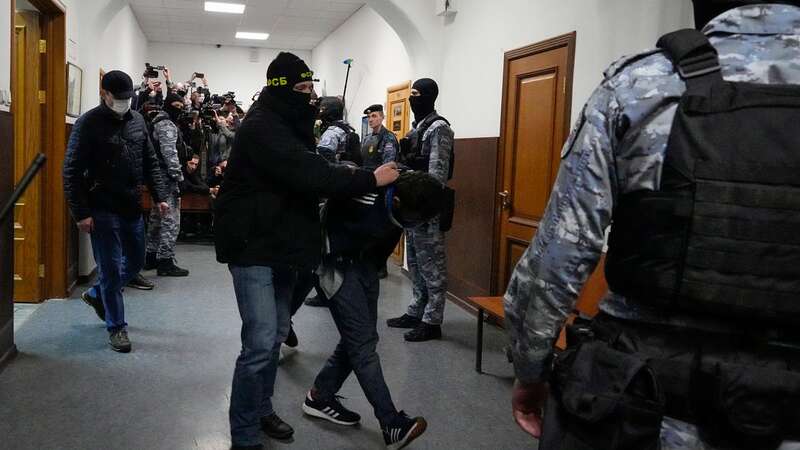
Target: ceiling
292,24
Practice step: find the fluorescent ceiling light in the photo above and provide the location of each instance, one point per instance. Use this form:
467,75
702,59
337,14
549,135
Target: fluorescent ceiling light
256,36
231,8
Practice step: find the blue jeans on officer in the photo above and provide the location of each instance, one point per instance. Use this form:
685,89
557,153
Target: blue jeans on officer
264,296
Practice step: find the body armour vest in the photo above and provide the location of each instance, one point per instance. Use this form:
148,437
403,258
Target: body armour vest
720,236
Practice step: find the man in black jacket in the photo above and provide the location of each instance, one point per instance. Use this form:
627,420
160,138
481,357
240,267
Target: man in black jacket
267,228
108,158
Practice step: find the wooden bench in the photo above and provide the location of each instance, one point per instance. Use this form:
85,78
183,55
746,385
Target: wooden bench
587,305
190,202
493,306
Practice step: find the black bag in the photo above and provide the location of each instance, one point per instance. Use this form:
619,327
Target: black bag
352,146
602,399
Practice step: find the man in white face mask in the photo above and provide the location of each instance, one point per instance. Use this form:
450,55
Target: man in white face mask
109,157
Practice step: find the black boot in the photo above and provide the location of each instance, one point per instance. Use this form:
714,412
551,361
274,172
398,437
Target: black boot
276,428
150,261
167,268
424,332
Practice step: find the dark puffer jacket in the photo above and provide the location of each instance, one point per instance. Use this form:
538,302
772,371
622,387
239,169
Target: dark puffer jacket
107,161
267,212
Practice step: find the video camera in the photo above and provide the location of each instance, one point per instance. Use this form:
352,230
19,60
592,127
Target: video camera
152,71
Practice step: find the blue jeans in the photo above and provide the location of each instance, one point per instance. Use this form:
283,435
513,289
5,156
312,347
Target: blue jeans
355,311
263,296
118,247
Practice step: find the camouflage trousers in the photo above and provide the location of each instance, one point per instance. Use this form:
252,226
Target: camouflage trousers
677,435
162,232
428,266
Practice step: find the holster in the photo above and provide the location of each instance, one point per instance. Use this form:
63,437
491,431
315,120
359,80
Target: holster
617,379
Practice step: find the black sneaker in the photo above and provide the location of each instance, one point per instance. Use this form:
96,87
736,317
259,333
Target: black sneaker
276,428
140,282
424,332
150,261
95,303
403,430
291,340
404,321
316,300
167,268
330,410
248,447
119,341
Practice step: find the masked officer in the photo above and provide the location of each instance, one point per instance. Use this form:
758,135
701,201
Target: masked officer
428,148
338,141
695,166
162,232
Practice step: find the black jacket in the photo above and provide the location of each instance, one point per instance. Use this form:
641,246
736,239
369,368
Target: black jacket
267,211
192,183
107,161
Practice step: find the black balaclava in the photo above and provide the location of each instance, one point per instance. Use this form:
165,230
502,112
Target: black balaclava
174,113
331,109
284,72
706,10
422,105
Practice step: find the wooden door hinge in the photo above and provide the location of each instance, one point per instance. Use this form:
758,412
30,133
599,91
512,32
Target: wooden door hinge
41,270
42,97
42,46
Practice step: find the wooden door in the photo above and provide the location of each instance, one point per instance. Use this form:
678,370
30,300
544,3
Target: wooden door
26,108
398,122
535,123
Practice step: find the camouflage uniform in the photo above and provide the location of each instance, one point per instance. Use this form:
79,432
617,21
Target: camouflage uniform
162,233
425,250
332,143
374,157
618,146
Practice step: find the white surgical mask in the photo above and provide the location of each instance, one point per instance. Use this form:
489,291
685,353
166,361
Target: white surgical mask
121,106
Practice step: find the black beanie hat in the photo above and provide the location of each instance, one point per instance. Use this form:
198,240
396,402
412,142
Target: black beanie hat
172,97
331,109
286,70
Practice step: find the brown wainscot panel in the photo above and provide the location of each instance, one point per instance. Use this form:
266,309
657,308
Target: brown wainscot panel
6,240
470,242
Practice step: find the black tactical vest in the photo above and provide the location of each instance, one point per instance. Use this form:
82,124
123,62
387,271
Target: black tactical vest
722,234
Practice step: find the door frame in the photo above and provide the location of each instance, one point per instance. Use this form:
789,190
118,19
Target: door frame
568,41
55,219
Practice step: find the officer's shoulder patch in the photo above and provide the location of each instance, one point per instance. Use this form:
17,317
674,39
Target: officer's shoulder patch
617,66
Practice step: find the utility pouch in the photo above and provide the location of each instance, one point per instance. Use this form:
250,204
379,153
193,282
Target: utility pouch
750,407
607,400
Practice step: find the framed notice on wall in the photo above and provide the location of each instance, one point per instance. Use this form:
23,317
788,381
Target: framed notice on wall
74,88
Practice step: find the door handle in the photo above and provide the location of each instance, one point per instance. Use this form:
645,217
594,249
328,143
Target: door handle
505,199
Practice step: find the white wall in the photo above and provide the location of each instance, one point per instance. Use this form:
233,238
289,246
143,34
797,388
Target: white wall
227,68
380,61
465,53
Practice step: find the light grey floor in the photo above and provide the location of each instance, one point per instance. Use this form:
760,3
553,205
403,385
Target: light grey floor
68,390
23,312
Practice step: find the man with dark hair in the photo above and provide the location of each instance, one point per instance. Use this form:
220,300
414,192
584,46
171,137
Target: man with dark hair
109,157
428,148
162,232
691,151
267,228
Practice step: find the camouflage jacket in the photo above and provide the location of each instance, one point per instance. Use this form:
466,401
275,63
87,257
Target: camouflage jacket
332,143
374,156
438,143
618,146
166,133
